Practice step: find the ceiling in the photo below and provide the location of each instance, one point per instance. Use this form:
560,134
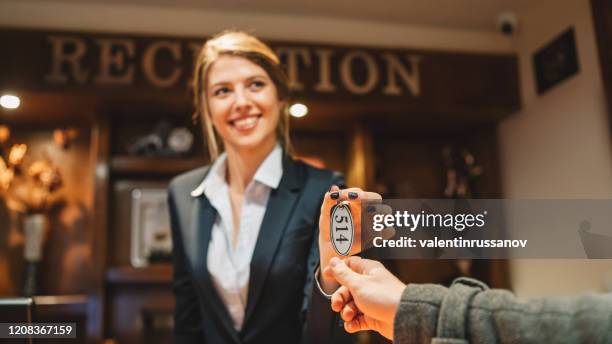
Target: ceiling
455,14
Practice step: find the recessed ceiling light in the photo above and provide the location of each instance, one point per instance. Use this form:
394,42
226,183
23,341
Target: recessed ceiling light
9,101
298,110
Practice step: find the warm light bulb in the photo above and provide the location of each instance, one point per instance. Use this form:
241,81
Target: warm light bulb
9,101
298,110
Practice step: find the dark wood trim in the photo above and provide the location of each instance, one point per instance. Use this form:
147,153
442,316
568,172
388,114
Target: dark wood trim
128,166
100,153
154,274
360,172
63,308
602,23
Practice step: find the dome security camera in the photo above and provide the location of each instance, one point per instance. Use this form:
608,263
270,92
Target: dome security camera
507,23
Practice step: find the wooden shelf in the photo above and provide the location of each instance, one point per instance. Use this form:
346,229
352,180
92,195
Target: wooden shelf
63,309
154,274
54,300
49,306
128,165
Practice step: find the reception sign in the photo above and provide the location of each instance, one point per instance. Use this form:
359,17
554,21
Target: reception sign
121,65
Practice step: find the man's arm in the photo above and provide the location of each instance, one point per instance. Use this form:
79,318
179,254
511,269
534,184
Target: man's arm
371,298
469,312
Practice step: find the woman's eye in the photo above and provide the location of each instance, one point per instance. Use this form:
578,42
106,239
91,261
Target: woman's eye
257,84
221,91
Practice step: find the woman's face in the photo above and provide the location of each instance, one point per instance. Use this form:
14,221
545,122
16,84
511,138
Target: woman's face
243,103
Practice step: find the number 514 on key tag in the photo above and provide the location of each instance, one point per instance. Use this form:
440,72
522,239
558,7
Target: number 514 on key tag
342,228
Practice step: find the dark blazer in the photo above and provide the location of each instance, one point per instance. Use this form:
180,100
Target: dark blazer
279,308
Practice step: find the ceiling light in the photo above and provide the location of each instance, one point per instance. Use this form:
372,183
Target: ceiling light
298,110
9,101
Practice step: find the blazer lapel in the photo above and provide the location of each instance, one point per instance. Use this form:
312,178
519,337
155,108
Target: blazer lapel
278,213
203,218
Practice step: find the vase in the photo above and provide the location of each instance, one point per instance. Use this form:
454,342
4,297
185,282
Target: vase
34,231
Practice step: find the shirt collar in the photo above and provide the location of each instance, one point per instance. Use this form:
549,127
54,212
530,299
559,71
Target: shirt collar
268,173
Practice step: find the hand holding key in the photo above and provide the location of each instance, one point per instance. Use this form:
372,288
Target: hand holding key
369,295
340,227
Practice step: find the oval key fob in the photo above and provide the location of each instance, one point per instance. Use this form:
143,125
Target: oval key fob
342,229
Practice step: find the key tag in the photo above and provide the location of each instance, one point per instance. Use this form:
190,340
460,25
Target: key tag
342,228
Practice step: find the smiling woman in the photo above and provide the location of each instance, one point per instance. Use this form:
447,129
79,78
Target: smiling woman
245,228
243,104
256,67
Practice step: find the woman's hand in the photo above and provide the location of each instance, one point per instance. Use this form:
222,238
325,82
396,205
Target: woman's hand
354,197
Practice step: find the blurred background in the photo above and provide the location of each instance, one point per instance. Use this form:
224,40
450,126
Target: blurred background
411,99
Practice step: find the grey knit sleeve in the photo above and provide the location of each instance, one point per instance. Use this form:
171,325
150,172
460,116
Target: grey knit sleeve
469,312
417,314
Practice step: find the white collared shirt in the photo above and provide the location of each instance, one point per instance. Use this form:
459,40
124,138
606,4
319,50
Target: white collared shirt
230,268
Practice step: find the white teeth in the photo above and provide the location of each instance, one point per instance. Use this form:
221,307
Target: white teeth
245,123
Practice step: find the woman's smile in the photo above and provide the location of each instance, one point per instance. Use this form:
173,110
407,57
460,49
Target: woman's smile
245,123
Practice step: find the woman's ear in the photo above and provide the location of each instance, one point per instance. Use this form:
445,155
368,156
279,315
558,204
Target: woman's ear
284,106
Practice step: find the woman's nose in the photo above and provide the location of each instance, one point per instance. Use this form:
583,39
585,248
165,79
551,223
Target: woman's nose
242,101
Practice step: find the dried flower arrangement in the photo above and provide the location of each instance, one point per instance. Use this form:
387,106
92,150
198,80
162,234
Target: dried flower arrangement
462,172
27,187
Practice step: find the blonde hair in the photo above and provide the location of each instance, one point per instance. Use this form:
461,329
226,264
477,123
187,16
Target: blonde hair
242,44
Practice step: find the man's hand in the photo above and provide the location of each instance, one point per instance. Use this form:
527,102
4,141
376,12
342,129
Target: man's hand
369,295
353,197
